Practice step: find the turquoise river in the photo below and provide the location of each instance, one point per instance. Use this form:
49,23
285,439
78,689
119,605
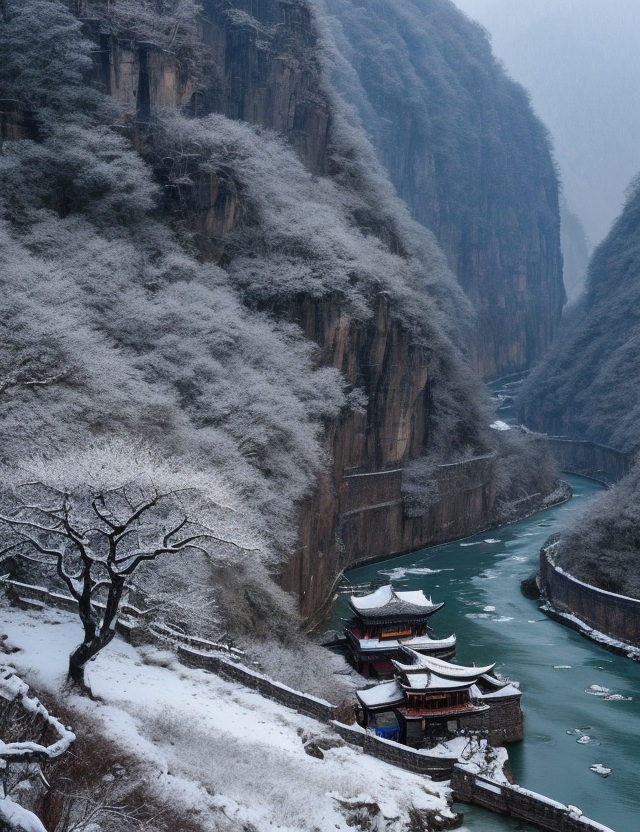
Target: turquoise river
479,579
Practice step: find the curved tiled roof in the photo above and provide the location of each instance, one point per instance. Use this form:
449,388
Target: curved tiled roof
421,663
385,601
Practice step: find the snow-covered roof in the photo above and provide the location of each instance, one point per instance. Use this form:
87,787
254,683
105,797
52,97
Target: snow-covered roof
416,597
385,600
431,681
386,693
440,667
415,642
507,690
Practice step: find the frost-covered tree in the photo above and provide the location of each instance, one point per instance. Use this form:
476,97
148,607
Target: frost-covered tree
44,55
97,532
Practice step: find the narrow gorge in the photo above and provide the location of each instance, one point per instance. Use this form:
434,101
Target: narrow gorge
274,66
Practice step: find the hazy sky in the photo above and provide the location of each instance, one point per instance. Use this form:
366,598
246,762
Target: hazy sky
580,60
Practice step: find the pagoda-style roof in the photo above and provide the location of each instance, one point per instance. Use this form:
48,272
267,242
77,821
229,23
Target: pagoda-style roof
421,663
385,604
492,688
415,642
432,682
384,694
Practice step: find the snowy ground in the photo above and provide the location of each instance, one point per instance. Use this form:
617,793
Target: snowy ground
229,757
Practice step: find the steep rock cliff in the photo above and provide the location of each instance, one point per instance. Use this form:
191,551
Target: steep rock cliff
412,391
328,248
588,388
464,149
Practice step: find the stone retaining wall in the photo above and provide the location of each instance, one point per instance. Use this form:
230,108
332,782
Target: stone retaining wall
438,768
502,721
588,459
507,799
376,526
302,702
616,616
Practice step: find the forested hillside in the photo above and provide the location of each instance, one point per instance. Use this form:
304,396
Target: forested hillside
588,387
464,149
210,280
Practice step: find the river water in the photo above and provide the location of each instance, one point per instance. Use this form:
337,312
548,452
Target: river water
479,579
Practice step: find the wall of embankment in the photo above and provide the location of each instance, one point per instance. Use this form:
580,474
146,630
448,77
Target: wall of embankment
588,459
600,615
614,616
508,799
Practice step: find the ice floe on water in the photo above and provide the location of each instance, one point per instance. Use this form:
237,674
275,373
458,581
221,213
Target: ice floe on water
597,690
488,609
399,572
585,739
472,543
489,616
519,558
598,768
562,667
492,540
490,574
606,695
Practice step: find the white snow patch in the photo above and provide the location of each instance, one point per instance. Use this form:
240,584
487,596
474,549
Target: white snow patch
17,818
212,745
399,572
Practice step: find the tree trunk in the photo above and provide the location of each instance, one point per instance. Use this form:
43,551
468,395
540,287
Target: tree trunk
79,658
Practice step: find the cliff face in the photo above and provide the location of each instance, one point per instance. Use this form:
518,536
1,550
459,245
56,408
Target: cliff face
464,149
357,512
261,66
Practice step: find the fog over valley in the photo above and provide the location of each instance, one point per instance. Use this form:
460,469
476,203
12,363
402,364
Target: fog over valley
580,61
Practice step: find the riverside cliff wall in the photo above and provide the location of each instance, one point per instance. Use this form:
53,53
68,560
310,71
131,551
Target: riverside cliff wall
260,65
588,459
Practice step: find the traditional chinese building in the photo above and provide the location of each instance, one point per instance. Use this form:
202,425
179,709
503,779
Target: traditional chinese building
385,621
430,700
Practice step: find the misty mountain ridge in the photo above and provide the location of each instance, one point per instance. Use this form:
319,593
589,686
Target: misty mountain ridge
579,61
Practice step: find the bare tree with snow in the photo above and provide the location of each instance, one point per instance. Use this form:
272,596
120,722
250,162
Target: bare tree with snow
96,536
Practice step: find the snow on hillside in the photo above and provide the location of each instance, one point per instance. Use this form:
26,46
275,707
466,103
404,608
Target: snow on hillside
213,748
